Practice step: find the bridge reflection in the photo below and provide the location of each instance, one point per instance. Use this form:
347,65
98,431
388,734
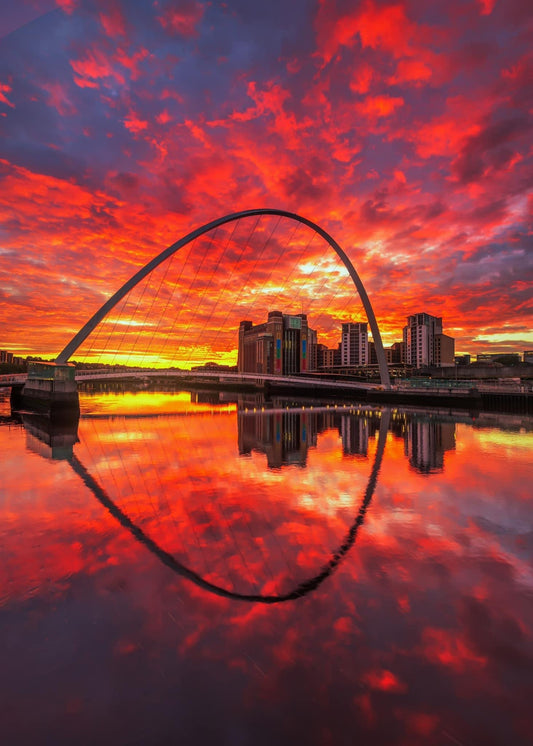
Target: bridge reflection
209,511
171,561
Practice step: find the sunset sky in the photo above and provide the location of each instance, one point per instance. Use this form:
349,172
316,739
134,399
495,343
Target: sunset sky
403,128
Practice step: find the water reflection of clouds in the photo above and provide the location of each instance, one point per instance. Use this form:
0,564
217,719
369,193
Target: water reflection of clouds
227,526
417,638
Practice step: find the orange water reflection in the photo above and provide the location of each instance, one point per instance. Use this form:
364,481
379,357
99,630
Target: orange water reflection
421,633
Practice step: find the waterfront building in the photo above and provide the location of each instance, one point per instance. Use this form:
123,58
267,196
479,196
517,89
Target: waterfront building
354,344
282,345
443,351
312,348
395,354
372,354
328,357
424,342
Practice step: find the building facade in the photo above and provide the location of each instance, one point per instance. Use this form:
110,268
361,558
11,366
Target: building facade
424,342
283,345
327,357
354,344
395,354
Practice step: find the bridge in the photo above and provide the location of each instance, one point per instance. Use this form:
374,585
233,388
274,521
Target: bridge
133,313
263,380
55,385
260,380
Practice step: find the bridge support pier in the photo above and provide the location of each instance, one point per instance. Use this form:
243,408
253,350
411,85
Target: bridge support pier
51,389
16,398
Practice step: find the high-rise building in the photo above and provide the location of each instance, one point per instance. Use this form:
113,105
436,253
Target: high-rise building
354,344
424,342
282,345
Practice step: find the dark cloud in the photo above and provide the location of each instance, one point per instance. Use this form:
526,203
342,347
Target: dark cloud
489,150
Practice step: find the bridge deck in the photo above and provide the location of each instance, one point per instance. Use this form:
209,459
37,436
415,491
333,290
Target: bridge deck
443,386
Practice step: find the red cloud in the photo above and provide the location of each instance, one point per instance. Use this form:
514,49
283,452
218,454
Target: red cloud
164,117
113,20
385,28
182,17
384,680
364,75
134,123
68,5
59,98
411,71
486,6
4,88
96,65
85,82
132,62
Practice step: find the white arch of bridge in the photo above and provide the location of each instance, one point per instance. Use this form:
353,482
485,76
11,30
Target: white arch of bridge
102,312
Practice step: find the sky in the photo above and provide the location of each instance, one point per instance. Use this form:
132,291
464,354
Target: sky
402,128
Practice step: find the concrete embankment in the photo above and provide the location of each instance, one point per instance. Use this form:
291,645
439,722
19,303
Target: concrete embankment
520,402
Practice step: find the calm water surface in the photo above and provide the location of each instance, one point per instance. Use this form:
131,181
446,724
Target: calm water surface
191,572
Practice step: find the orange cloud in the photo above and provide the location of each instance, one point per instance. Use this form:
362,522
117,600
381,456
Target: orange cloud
376,107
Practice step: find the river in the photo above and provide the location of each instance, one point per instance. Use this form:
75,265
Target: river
188,568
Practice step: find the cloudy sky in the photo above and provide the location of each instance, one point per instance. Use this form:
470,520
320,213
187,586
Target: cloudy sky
403,128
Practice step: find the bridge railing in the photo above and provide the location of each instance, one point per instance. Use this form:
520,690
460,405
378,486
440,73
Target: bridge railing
8,379
222,377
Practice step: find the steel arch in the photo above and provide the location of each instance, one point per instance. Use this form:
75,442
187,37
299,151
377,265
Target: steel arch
102,312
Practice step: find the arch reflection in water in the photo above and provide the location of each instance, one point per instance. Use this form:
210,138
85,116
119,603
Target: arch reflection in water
223,522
